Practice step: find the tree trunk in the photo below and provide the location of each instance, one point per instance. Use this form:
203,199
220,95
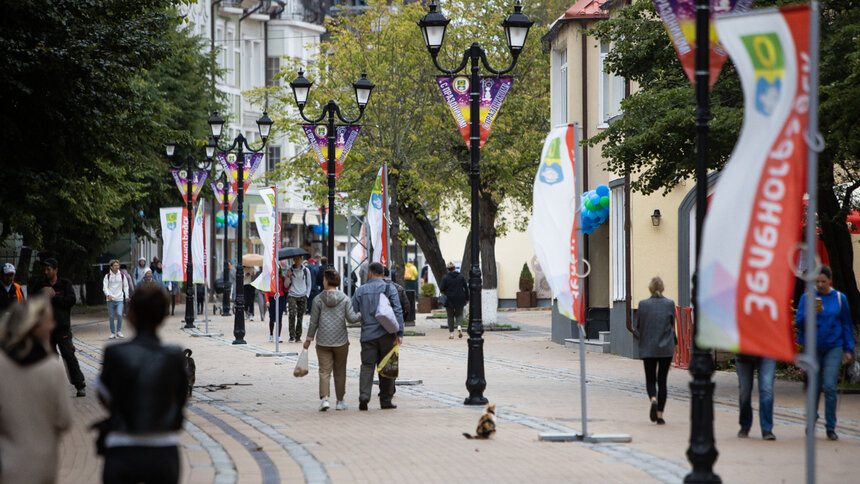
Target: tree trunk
837,241
394,244
489,209
425,234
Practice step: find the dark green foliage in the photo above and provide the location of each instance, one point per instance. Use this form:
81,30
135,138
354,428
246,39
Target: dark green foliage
527,281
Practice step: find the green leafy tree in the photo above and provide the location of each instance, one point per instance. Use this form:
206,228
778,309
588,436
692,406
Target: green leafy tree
90,91
655,140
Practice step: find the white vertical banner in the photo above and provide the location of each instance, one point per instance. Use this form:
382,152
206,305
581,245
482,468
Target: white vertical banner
171,234
198,246
376,222
269,230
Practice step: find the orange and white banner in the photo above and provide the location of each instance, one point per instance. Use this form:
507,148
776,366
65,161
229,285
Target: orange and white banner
754,219
553,228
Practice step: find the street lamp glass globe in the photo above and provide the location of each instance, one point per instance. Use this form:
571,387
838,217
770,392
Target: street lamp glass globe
517,27
433,26
216,123
301,88
210,147
170,148
362,87
264,124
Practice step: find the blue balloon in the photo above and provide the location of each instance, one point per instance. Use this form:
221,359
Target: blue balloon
602,190
595,199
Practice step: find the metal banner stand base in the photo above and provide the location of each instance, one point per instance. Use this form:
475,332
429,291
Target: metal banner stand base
588,439
277,353
197,333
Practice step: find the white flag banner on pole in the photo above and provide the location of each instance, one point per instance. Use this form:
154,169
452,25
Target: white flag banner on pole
553,225
172,220
268,228
198,246
376,221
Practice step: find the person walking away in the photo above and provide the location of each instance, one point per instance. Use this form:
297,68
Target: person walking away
276,305
248,291
11,290
143,385
376,341
139,271
654,327
835,341
116,289
323,266
299,282
314,267
746,366
331,311
456,292
35,410
401,295
62,297
201,297
410,276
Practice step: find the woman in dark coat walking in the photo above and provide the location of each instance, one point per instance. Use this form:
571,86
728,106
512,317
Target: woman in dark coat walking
654,327
456,293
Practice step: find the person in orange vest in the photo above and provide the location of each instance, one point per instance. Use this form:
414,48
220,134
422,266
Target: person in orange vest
11,290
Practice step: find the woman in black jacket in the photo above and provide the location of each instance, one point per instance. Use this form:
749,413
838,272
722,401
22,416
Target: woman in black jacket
456,293
144,386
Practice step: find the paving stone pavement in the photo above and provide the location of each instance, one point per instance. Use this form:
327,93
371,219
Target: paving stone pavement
251,421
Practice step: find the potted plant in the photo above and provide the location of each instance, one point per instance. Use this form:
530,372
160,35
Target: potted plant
427,300
526,297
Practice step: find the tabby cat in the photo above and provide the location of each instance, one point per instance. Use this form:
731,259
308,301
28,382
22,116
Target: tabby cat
486,424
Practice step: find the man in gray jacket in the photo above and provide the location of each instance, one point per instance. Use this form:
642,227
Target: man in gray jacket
376,341
299,282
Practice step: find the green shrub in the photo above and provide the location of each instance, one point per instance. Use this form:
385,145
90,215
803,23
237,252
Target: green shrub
428,290
527,282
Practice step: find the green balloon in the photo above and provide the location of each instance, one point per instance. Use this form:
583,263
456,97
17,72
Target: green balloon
604,201
589,205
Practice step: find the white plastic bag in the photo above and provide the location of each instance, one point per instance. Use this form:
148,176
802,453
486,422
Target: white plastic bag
301,365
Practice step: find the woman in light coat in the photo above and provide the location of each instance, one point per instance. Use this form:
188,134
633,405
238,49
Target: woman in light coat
34,404
330,312
654,327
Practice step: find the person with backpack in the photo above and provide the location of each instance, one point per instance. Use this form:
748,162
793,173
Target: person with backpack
401,295
834,335
456,292
299,282
117,290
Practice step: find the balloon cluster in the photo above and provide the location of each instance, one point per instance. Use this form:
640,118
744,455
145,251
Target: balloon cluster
595,208
318,229
232,219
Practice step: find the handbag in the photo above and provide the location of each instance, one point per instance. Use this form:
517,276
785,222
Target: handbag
385,313
389,367
443,299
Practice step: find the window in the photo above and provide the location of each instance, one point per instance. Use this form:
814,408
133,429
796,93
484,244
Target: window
273,65
618,240
219,46
230,52
610,91
559,93
273,156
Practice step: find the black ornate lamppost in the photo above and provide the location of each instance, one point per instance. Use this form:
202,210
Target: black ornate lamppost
189,164
433,26
301,88
225,301
702,452
240,144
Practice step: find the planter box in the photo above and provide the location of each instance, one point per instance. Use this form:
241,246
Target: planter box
526,299
426,304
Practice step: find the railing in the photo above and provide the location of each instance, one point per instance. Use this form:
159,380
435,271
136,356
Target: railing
684,334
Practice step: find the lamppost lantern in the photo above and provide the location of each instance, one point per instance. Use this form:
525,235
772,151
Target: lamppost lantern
362,87
210,148
170,148
517,27
216,123
433,26
264,124
301,88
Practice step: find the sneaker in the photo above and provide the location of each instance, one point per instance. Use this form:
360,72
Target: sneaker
660,421
112,336
743,433
387,406
652,414
362,405
82,392
251,318
281,340
120,335
451,335
271,339
341,405
459,331
768,435
831,435
292,340
324,405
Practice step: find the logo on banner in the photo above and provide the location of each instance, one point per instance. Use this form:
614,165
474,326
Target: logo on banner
321,131
376,194
550,169
264,221
171,220
461,85
768,63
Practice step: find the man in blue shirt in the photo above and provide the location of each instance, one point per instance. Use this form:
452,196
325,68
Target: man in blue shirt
376,341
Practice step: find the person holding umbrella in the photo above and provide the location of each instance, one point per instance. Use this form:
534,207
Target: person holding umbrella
299,282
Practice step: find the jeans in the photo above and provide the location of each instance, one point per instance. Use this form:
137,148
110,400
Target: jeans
746,366
455,317
656,372
828,361
276,313
115,311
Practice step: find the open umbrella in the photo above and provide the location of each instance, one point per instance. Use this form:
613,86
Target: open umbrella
252,260
290,252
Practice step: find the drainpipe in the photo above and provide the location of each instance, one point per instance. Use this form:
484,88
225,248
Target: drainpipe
212,42
586,286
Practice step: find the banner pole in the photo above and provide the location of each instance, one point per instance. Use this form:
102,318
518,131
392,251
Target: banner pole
385,215
814,145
